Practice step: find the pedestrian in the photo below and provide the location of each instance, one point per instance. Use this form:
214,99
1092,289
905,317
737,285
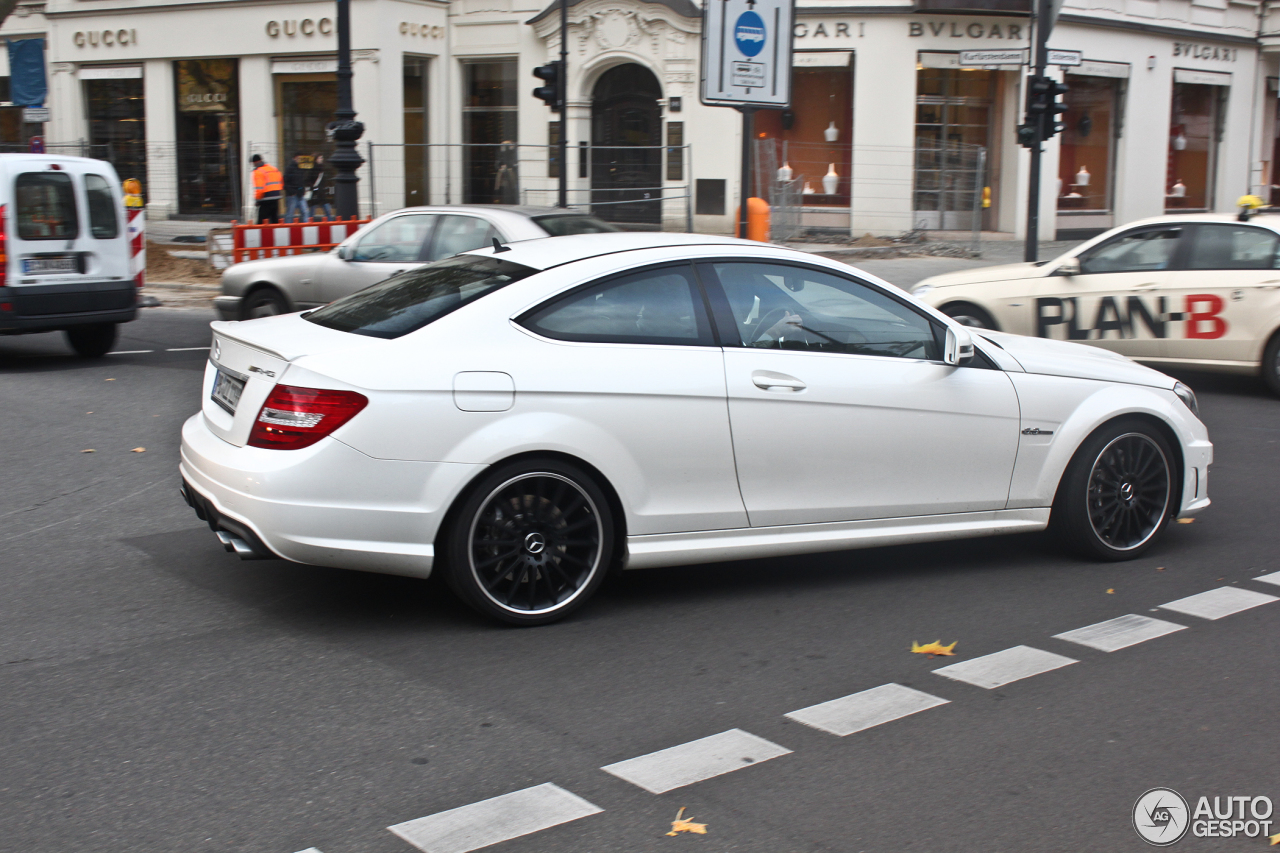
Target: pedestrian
297,180
268,187
322,192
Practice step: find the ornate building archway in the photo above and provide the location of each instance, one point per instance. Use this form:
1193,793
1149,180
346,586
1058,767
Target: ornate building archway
626,146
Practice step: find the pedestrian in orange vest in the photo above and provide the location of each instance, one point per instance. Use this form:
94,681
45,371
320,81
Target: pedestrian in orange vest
268,188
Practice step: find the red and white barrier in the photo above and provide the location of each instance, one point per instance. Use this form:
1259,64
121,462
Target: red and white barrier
138,245
271,240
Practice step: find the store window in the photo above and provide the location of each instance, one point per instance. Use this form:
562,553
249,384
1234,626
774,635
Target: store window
208,136
416,164
15,135
489,156
1193,146
955,115
307,104
1086,166
811,141
117,121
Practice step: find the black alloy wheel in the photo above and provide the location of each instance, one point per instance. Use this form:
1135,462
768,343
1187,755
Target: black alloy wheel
1117,494
263,302
93,340
531,543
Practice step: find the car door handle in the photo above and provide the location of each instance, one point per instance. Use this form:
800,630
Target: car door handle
767,380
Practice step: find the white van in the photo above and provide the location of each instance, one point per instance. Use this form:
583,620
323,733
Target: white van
64,250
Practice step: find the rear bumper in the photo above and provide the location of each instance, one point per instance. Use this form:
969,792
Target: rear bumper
325,505
48,307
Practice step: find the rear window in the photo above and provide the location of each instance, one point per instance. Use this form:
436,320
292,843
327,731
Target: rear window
562,225
46,206
103,222
407,302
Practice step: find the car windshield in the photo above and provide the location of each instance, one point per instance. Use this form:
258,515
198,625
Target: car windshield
407,302
562,225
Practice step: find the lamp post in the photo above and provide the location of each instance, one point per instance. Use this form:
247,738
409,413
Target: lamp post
344,130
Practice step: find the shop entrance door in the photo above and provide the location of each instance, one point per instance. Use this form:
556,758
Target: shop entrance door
307,103
626,152
954,121
208,145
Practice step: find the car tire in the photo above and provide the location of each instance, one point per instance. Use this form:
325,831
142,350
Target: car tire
530,542
968,314
1118,492
92,341
1271,364
263,302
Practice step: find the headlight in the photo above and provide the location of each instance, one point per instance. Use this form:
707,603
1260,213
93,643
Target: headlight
922,290
1187,396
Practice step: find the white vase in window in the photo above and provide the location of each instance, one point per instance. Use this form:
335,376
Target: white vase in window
1179,190
832,133
1180,142
785,174
830,180
808,190
1082,177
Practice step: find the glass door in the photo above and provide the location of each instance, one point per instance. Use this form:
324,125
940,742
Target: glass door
954,111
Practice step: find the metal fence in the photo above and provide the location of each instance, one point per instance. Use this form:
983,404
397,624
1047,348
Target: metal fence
815,188
636,187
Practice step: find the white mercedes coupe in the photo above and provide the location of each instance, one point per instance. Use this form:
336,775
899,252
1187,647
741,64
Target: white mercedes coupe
527,418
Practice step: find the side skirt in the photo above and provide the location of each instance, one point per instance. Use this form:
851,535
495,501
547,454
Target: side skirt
710,546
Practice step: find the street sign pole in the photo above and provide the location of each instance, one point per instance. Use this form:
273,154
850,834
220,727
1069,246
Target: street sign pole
563,154
748,125
1045,16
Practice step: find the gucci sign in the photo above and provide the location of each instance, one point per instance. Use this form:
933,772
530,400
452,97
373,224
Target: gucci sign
423,30
106,38
306,26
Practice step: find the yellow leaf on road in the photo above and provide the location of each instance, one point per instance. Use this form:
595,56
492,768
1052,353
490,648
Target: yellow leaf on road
1186,521
138,450
1275,839
934,648
1111,592
680,825
90,450
108,380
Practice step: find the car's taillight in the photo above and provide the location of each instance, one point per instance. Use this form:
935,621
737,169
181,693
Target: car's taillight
4,247
293,418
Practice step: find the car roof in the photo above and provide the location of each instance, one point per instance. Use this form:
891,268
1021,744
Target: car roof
521,210
1269,219
548,252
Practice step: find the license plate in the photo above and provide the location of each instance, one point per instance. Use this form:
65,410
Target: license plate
39,265
227,390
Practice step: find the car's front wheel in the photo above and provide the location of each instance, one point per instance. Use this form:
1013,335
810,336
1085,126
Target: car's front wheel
1271,364
968,314
1118,493
92,341
530,543
263,302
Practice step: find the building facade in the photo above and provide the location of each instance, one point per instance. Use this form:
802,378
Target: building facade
1174,107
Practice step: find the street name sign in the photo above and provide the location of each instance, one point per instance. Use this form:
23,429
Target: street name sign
1065,57
1009,56
746,53
35,115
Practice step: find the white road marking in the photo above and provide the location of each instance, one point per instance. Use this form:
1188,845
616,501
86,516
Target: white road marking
1120,633
677,766
857,711
310,850
192,349
494,820
130,351
1274,578
1216,603
1001,668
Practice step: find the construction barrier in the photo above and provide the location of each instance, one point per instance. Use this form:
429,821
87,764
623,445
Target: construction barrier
273,240
137,218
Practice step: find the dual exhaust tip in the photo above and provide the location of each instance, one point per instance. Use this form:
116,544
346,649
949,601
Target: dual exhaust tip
238,546
235,538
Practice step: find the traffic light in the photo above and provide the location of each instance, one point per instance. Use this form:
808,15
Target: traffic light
1027,136
1038,98
549,91
1052,127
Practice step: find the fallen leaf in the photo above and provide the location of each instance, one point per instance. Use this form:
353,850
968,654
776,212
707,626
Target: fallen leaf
1111,592
88,413
90,450
934,648
1186,521
1275,839
138,450
108,380
680,825
1159,568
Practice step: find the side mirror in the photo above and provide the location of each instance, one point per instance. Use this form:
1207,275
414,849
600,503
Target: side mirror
959,346
1069,267
346,251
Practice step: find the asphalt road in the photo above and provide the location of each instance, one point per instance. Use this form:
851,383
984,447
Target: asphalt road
160,695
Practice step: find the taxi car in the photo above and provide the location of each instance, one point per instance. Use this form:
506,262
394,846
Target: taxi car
523,418
1199,291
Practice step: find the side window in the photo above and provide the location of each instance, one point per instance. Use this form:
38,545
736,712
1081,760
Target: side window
1233,247
657,306
1137,251
458,234
46,206
398,240
777,306
103,222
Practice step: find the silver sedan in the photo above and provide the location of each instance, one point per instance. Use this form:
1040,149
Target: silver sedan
393,243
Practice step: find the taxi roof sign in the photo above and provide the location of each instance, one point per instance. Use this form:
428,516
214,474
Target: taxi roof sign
746,53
